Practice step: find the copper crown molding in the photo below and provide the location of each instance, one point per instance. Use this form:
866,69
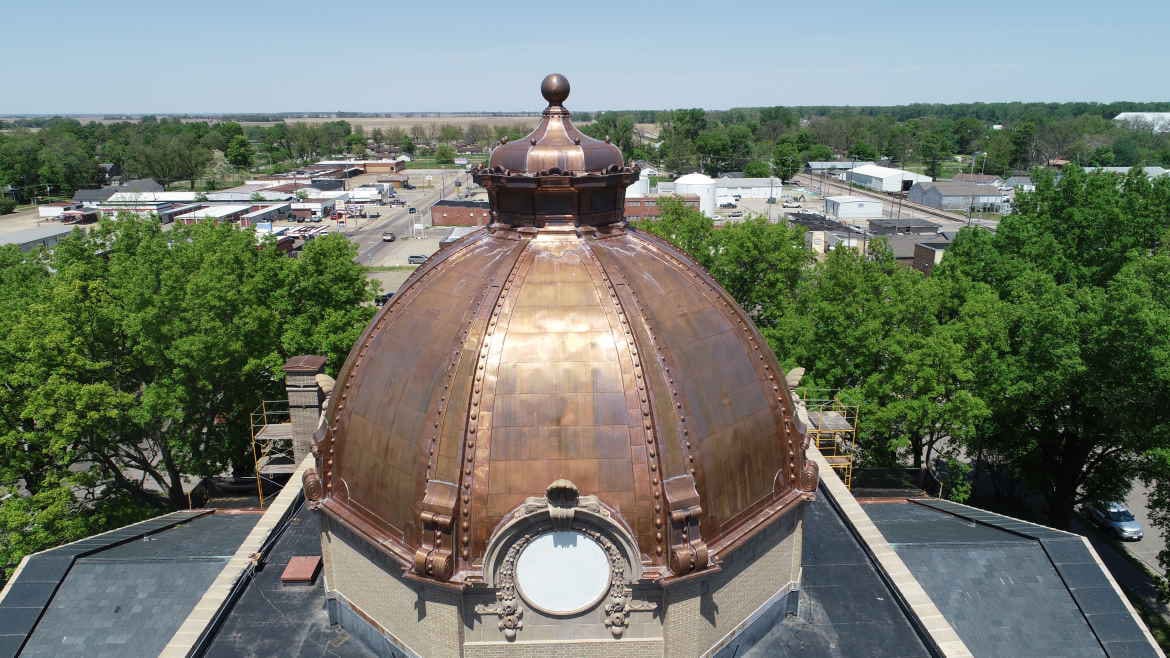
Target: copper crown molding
556,174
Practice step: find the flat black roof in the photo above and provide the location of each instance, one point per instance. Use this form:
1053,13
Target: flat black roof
123,594
1008,587
274,619
845,607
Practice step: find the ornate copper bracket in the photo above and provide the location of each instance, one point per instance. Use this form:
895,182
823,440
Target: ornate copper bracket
809,476
313,487
436,519
688,551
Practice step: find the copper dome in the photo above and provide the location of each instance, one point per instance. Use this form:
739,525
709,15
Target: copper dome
521,356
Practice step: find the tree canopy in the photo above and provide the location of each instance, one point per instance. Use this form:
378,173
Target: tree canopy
134,356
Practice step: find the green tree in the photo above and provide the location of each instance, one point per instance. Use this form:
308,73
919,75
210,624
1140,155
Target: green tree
862,151
145,351
757,169
444,154
239,152
1071,407
786,161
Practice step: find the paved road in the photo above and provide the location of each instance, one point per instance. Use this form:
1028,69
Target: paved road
1147,549
367,234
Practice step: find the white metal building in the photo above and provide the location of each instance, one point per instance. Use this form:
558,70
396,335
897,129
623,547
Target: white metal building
884,179
1159,121
748,188
220,213
852,207
700,185
40,236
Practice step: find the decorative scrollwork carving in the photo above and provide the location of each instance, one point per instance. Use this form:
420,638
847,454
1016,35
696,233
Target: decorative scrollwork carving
507,605
313,487
809,476
562,496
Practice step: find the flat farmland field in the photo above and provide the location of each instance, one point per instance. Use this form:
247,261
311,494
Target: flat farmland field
407,122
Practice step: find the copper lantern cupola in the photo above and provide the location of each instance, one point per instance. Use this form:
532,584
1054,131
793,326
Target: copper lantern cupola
556,174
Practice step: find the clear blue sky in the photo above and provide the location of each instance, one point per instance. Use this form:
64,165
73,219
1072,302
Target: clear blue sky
388,55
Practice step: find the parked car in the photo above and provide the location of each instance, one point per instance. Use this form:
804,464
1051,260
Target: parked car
388,236
413,210
727,204
373,215
1116,519
397,202
382,299
416,260
407,186
737,213
790,204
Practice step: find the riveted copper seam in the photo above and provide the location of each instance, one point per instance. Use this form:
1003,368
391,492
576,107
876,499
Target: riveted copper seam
337,503
641,331
473,489
644,441
765,364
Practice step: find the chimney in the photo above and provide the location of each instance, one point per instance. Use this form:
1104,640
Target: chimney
304,400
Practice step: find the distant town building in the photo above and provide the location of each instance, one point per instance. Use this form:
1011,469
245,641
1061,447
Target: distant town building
1020,183
641,208
884,179
1150,172
450,212
834,166
852,207
948,195
929,254
1158,121
979,179
910,225
41,236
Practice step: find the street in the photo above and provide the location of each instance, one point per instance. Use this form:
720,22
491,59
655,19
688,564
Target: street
367,233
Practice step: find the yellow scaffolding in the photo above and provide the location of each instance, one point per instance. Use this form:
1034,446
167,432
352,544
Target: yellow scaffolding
833,429
272,446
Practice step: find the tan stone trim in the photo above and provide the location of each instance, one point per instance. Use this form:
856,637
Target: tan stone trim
209,606
1124,599
916,598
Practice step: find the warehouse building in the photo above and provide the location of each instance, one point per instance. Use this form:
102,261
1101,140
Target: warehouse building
641,208
852,207
947,195
221,213
884,179
1159,122
449,212
911,225
41,236
834,167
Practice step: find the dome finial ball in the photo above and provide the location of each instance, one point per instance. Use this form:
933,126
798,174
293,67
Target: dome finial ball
554,88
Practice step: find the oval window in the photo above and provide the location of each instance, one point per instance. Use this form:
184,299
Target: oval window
562,572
